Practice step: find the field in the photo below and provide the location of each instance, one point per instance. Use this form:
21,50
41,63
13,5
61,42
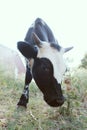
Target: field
38,115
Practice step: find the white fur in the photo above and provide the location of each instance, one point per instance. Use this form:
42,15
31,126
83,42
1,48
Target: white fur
55,57
25,92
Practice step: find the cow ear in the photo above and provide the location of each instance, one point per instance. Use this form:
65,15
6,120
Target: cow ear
67,49
36,40
64,50
27,50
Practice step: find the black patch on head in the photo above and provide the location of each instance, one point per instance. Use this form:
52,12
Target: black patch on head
43,75
43,67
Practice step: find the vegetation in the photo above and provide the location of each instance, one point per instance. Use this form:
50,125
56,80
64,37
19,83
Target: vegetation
84,62
38,115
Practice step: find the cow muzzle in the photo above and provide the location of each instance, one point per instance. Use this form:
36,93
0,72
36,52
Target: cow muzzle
55,102
52,93
56,98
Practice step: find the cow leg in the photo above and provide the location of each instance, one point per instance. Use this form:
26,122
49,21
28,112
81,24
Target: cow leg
25,95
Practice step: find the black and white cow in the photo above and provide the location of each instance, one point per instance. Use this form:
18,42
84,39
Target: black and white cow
44,63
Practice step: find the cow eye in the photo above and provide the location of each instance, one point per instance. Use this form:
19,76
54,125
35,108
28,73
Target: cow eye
45,68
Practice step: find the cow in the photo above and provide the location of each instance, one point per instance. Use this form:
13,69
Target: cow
44,63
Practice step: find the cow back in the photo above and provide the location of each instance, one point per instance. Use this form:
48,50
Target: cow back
42,30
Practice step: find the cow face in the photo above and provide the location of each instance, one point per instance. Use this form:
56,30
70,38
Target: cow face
47,69
56,59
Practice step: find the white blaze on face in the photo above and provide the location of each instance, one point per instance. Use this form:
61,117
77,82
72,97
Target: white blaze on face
56,59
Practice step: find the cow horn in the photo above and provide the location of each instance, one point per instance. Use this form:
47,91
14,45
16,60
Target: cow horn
36,40
67,49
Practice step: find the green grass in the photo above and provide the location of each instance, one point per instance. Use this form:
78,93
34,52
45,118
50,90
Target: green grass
38,115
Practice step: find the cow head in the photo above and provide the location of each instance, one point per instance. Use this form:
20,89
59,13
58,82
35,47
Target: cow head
47,69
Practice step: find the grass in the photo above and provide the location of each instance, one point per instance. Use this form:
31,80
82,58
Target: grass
38,115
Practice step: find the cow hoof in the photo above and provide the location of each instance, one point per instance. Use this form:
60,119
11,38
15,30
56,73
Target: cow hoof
23,101
21,104
20,107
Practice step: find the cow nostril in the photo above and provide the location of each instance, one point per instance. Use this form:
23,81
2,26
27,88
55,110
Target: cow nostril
56,102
